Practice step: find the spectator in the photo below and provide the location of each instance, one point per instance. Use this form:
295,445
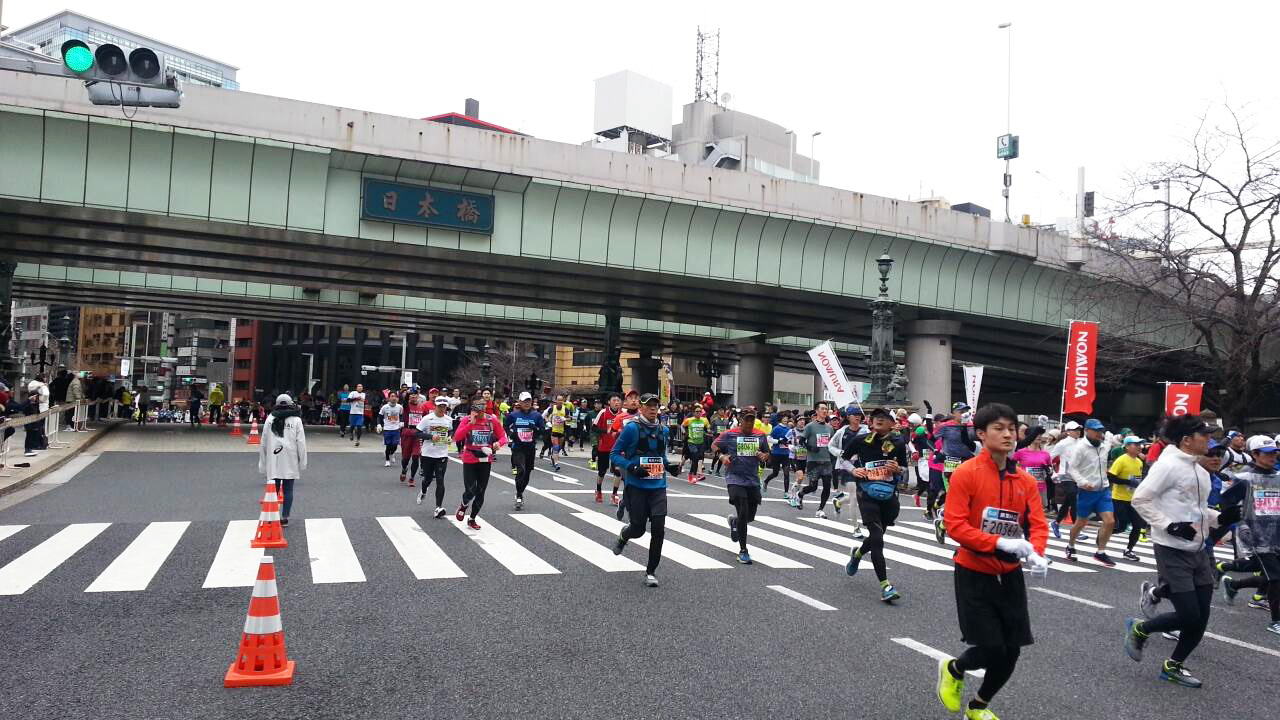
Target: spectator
76,394
282,456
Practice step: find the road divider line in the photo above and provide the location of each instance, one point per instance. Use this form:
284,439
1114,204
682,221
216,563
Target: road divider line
577,543
32,566
511,554
670,550
1243,644
1073,598
934,653
133,569
722,541
235,564
423,556
811,602
333,560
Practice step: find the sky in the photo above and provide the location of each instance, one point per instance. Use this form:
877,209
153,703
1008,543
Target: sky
909,97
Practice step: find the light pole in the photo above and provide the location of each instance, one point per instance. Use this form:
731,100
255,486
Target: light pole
813,175
1008,112
1167,205
882,307
791,148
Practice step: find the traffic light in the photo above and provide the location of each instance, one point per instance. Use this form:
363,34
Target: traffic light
112,78
1088,204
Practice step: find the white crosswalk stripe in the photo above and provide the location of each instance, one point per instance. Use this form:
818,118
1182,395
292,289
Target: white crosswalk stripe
32,566
839,558
670,550
333,560
1059,565
423,556
134,568
722,541
235,564
511,554
1084,557
578,544
9,530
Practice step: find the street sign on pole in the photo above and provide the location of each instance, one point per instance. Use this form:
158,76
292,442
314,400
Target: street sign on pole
1006,147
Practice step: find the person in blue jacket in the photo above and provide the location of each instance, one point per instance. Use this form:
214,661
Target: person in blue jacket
641,453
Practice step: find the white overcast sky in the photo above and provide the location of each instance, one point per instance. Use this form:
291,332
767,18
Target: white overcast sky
909,96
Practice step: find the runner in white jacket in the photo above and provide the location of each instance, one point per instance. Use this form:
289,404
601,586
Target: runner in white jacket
282,456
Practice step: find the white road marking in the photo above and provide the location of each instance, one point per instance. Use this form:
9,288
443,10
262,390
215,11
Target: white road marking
558,477
423,556
235,564
69,470
841,558
1084,556
670,550
1073,598
932,652
511,554
1243,644
822,553
134,568
32,566
10,530
333,560
816,604
1058,565
722,541
578,544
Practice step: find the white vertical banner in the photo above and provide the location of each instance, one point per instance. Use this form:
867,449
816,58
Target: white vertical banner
833,377
972,384
231,356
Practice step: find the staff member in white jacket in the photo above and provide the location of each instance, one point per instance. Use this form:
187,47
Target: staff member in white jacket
1173,499
282,456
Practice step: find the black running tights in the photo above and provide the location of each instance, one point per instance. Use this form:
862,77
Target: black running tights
1190,616
433,471
410,463
657,532
475,480
779,463
873,547
813,486
746,512
999,662
1273,591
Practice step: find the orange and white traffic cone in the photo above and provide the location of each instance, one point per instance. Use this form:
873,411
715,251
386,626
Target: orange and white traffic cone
269,496
261,659
270,533
254,438
235,428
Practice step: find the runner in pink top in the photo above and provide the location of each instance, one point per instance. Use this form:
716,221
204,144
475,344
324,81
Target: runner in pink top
480,435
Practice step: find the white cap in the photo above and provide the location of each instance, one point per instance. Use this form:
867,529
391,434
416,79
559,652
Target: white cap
915,419
442,400
1263,443
1073,425
1132,439
284,399
525,396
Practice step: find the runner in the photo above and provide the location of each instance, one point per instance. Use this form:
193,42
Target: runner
780,454
696,431
1036,461
630,411
410,441
817,436
1064,490
842,470
799,457
745,448
956,446
355,413
720,422
390,412
641,453
1260,529
1087,466
436,430
594,432
604,446
1125,473
480,436
523,426
1237,457
879,457
1173,501
991,510
344,410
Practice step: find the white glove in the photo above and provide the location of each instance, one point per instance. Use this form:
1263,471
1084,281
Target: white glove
1021,548
1037,562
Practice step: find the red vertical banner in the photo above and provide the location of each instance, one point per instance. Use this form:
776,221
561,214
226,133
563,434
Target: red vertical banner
1080,381
1182,398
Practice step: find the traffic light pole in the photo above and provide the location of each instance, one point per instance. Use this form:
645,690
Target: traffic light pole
123,91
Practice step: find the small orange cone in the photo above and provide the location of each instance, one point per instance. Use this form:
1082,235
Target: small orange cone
261,659
269,496
270,533
235,428
254,438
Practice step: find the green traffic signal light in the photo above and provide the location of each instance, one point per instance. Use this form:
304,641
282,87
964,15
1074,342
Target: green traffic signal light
77,56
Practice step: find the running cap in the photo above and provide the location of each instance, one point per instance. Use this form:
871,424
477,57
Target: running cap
879,413
915,419
1233,433
853,410
648,399
1094,424
1073,425
433,390
1132,439
442,400
1262,443
284,399
959,406
920,430
525,396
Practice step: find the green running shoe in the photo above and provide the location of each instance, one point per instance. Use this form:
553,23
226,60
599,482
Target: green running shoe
1175,673
950,688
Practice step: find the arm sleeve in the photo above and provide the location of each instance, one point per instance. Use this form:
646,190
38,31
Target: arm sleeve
1146,494
956,514
624,445
300,440
507,422
1072,472
464,426
1032,434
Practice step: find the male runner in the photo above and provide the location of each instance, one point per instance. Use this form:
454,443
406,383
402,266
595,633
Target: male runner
410,440
993,512
842,471
1125,473
1087,466
355,401
523,426
957,446
391,412
817,436
780,454
556,417
436,430
744,449
604,446
879,457
1260,527
641,453
696,431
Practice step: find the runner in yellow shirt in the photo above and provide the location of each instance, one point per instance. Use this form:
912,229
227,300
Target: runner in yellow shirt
1125,473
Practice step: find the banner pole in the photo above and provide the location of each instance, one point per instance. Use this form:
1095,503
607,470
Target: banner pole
1066,366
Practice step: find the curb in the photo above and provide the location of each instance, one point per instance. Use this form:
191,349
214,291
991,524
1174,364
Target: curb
25,482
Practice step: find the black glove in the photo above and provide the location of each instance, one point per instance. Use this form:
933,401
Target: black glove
637,471
928,407
1184,530
673,469
1230,516
479,452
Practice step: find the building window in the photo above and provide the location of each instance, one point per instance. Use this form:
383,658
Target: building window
795,398
244,342
243,364
241,385
585,358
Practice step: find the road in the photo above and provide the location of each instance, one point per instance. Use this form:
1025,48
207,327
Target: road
530,615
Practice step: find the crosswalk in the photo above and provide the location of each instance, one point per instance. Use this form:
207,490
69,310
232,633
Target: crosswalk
519,543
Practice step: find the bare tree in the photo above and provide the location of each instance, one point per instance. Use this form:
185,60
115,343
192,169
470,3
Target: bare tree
1192,276
510,368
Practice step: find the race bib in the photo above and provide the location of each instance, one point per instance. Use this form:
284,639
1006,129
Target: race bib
653,466
696,434
950,464
1039,473
824,440
997,521
802,452
570,422
1266,503
748,446
524,435
557,421
440,435
878,470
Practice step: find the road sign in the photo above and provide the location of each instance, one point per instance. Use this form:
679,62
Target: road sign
422,205
1007,147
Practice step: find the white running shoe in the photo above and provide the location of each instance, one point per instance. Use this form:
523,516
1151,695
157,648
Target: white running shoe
650,581
386,463
421,494
439,513
820,514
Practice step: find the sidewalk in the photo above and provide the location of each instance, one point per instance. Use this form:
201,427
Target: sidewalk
14,477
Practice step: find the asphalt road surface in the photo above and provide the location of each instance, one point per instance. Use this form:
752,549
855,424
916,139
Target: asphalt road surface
124,585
